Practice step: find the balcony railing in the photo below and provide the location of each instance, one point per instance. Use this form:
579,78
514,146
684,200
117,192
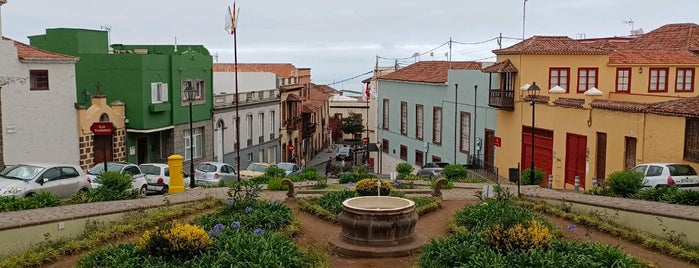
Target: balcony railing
309,129
503,99
228,100
261,139
293,123
249,142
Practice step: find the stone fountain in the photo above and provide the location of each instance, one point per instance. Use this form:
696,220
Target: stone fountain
377,226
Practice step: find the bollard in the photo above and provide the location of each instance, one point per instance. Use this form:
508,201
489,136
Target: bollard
594,182
577,183
550,182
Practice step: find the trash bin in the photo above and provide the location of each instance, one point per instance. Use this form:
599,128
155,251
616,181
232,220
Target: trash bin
514,174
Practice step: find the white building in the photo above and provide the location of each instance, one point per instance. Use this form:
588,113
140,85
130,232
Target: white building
37,105
259,109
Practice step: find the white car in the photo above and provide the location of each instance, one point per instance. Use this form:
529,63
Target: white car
24,180
138,179
668,174
158,176
213,173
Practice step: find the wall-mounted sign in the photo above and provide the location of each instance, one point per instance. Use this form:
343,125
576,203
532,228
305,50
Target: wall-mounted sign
102,128
497,141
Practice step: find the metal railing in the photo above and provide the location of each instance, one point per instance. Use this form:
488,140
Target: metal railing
478,167
228,100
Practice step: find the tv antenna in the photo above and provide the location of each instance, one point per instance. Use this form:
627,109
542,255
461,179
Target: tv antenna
108,28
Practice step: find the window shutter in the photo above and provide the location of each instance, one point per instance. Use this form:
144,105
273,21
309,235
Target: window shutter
163,92
154,92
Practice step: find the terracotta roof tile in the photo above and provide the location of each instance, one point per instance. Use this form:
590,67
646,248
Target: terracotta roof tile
27,52
551,45
622,106
284,70
538,99
608,44
685,107
429,71
569,102
679,36
505,66
653,57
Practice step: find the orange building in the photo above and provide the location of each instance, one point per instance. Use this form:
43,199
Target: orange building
605,104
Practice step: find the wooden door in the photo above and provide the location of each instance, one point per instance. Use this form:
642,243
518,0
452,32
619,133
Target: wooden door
102,148
576,152
601,158
543,151
630,153
489,150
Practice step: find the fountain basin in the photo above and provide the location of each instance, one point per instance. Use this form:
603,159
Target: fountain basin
377,226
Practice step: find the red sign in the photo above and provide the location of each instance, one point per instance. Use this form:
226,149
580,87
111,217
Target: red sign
365,140
497,141
102,128
291,147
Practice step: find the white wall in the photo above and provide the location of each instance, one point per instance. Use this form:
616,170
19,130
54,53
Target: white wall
224,82
38,126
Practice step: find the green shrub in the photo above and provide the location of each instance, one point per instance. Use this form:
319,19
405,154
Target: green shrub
332,201
538,176
176,240
478,217
39,200
274,171
449,185
309,174
275,184
270,216
454,172
404,169
348,177
367,187
518,238
599,191
475,180
625,183
114,186
656,194
262,179
683,197
242,193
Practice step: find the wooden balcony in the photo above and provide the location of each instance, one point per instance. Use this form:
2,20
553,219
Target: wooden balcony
502,99
293,123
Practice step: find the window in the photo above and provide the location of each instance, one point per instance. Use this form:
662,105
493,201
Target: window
403,118
403,152
437,125
691,140
419,118
272,123
657,80
384,145
419,158
338,116
197,137
69,172
623,80
248,121
38,79
685,80
506,82
559,77
465,142
158,92
262,127
436,158
197,85
385,114
587,78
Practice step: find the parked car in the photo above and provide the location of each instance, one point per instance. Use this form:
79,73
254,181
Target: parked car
158,177
24,180
668,174
138,179
344,154
432,169
212,173
289,168
254,170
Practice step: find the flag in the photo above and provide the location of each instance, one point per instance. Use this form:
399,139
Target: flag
231,20
367,92
373,92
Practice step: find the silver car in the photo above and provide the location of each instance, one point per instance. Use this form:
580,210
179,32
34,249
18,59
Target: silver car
29,179
289,168
138,179
432,169
213,173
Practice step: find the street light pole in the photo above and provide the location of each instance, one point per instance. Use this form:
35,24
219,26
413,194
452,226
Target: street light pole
189,94
533,93
456,113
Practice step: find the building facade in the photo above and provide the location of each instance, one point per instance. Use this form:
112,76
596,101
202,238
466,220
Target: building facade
259,109
150,80
605,104
430,111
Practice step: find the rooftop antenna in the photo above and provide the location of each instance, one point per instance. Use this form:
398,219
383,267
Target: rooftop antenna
216,56
634,32
108,28
630,23
175,44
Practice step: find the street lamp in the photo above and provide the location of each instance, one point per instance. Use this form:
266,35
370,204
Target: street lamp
190,94
532,92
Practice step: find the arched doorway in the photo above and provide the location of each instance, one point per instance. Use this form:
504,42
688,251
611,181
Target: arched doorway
218,136
102,145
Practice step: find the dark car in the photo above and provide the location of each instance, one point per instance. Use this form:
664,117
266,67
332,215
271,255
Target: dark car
432,169
344,154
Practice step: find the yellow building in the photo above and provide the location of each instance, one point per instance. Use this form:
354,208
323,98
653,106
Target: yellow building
605,104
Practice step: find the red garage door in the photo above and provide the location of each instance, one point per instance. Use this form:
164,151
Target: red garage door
576,151
543,150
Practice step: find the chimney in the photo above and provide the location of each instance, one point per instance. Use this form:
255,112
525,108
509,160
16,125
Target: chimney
1,3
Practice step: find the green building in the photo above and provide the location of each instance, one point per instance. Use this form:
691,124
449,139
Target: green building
150,80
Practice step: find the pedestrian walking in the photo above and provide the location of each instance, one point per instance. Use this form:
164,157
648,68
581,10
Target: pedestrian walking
328,166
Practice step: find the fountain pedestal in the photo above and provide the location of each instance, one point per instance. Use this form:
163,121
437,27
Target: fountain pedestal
377,226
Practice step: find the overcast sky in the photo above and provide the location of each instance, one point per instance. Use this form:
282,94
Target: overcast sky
342,39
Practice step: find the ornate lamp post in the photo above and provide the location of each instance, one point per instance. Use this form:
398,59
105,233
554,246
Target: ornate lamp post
532,92
190,95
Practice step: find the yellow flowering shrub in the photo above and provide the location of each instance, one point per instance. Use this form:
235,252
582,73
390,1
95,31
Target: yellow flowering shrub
519,237
367,187
177,240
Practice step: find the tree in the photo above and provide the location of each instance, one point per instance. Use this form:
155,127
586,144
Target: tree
352,124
